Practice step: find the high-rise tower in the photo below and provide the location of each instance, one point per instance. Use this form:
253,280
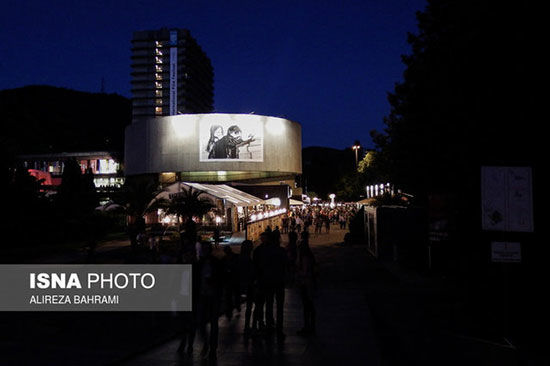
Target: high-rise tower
171,74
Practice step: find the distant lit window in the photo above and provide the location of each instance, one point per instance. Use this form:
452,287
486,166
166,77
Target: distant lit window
158,93
107,166
157,44
158,60
159,101
158,85
158,68
158,52
158,110
158,76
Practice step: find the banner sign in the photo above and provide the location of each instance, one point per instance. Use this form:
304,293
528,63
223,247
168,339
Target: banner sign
173,73
102,287
506,252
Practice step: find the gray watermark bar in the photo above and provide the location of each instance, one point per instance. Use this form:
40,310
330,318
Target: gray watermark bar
95,287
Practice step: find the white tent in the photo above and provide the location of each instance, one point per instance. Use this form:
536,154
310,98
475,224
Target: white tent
295,202
275,201
220,191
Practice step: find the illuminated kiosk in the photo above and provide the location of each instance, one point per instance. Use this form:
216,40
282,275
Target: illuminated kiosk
214,148
233,211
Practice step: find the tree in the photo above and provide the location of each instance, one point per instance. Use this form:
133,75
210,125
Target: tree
77,194
469,98
187,205
137,196
27,206
463,101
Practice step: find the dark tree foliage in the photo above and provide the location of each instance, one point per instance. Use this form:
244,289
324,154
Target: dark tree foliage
467,98
77,194
324,169
26,207
471,97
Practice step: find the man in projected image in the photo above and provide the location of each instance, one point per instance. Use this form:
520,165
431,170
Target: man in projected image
228,146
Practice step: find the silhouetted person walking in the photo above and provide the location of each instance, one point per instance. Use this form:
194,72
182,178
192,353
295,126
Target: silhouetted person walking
272,265
276,234
292,255
259,298
189,318
306,281
246,273
209,300
231,278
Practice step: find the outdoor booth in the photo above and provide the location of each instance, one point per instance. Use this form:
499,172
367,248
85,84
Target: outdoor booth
237,215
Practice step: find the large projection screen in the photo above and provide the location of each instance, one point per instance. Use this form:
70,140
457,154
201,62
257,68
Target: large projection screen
223,138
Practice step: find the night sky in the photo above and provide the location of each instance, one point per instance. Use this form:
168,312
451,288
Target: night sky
325,64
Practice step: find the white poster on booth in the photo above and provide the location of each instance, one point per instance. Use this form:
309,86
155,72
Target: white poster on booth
506,199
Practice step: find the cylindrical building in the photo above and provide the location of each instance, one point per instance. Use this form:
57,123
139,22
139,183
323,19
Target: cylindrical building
215,147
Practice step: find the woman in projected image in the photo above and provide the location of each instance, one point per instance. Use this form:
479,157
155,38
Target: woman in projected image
216,133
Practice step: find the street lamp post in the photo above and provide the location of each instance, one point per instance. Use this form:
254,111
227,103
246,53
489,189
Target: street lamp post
356,147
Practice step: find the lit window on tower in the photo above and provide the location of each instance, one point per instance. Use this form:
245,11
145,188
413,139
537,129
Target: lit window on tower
158,60
158,85
159,101
158,93
158,111
158,76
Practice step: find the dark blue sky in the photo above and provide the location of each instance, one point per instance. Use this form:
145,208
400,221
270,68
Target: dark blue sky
325,64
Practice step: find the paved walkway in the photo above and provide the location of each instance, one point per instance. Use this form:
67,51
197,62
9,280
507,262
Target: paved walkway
345,332
369,313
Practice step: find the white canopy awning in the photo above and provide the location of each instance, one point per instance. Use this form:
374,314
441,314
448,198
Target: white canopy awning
221,191
295,202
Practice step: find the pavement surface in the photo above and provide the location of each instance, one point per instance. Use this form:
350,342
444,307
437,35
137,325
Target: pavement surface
368,313
345,331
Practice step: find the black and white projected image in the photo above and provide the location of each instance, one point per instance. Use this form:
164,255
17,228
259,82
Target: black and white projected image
229,139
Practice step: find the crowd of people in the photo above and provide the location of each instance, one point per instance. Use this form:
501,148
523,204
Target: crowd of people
255,278
318,217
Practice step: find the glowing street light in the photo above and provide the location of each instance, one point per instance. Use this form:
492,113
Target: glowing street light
332,196
356,146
